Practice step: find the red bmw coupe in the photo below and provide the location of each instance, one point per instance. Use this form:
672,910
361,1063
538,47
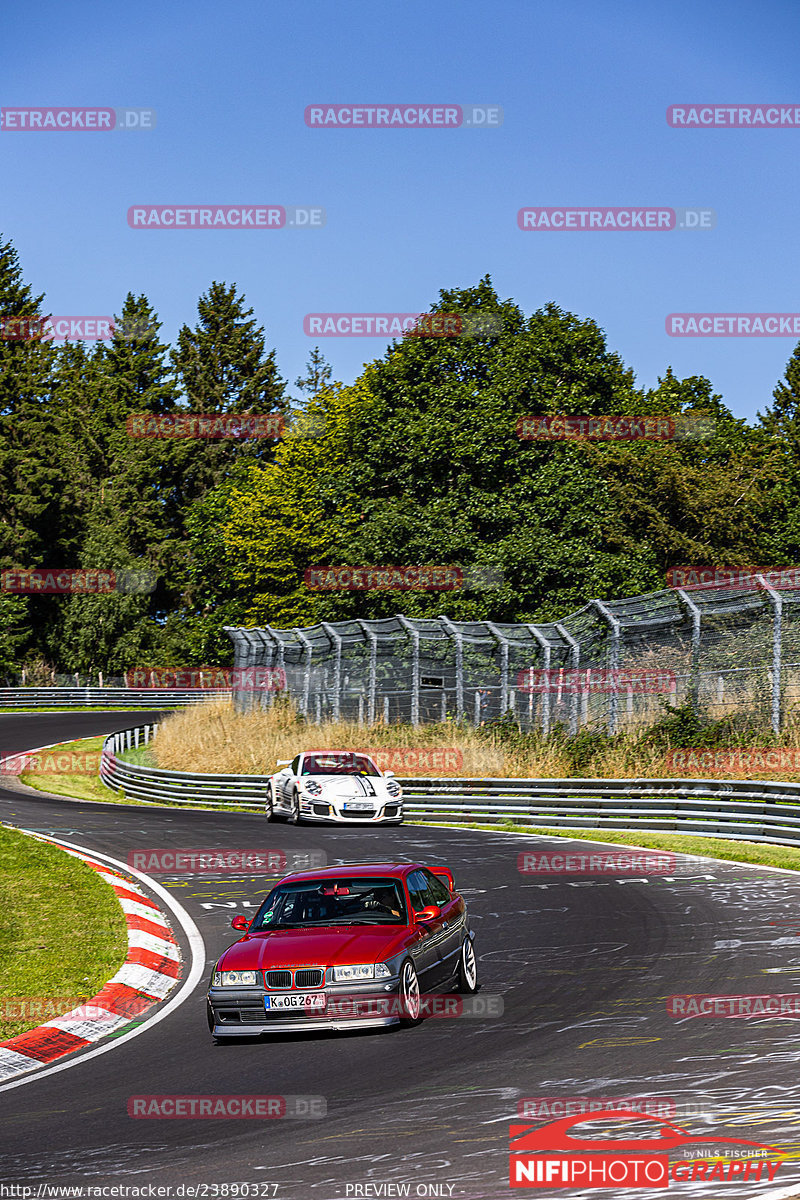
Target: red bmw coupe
348,947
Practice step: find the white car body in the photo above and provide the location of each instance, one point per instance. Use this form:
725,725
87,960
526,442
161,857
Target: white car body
335,787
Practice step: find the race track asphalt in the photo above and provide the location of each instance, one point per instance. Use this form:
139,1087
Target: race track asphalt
584,967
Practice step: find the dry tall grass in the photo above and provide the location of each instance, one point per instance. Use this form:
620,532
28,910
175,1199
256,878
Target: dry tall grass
214,738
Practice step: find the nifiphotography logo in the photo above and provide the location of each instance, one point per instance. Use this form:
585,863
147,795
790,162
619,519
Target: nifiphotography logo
551,1156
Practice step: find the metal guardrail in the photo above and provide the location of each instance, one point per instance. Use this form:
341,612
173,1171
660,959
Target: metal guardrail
736,809
107,697
152,785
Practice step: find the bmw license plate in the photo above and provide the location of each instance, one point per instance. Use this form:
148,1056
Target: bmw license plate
359,806
298,1000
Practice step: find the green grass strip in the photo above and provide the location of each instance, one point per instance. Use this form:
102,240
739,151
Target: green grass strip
62,932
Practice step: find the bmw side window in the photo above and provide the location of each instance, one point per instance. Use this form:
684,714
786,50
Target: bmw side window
437,889
418,891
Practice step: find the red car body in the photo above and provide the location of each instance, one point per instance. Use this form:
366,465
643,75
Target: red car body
289,971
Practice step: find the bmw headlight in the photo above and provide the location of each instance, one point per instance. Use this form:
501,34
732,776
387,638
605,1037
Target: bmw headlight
234,978
361,971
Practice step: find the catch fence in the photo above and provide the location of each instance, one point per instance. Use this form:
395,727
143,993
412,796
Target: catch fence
728,649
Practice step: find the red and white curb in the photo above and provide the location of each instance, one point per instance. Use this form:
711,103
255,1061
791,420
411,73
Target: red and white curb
150,972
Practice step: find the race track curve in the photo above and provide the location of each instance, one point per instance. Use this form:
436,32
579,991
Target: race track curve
584,968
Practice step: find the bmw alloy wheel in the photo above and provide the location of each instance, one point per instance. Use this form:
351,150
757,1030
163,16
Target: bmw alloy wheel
409,994
467,968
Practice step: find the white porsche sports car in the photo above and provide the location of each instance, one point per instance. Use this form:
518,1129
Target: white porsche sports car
334,786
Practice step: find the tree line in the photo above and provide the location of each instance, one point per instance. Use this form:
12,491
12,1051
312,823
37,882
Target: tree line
418,462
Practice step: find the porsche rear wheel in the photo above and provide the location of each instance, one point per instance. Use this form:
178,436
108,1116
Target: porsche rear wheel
467,968
269,807
410,1003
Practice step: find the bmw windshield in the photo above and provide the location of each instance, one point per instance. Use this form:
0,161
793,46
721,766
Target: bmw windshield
332,902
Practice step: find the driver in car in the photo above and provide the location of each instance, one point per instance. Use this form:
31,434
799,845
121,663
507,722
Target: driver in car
385,899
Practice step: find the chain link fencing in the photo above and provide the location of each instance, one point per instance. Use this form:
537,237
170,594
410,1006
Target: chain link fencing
731,648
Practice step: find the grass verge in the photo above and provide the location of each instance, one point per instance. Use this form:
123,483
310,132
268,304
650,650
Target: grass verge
62,932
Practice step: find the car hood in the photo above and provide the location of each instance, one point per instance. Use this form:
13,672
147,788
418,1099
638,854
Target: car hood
348,785
332,945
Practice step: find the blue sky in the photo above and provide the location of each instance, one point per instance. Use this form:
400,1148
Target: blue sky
584,88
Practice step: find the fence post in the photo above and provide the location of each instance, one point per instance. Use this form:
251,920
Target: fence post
776,601
414,635
457,637
372,686
575,662
503,640
546,655
307,653
613,660
694,676
337,670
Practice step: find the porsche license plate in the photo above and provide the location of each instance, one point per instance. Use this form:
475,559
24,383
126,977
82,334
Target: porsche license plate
359,806
298,1000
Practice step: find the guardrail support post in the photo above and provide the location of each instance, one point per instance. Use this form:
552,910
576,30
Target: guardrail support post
776,602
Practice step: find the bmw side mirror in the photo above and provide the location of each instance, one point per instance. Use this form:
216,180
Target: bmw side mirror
428,914
240,923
